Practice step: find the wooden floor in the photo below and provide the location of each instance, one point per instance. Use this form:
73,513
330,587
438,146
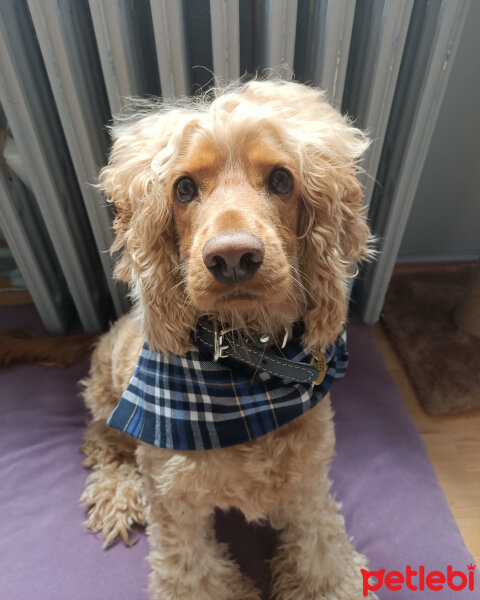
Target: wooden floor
453,443
11,295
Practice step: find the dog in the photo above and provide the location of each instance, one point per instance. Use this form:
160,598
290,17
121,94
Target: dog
240,212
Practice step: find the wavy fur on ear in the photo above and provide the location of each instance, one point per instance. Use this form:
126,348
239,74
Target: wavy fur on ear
336,235
335,238
135,181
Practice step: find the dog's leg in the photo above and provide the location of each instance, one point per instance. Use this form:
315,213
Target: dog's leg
315,560
114,493
187,561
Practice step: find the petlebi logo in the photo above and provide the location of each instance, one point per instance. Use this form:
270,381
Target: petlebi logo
419,580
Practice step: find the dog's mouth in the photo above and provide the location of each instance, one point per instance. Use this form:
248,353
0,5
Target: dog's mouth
265,290
238,295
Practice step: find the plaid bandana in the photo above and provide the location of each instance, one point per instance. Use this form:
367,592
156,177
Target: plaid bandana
190,402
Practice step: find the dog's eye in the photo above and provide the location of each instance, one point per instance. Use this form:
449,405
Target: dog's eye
185,190
280,181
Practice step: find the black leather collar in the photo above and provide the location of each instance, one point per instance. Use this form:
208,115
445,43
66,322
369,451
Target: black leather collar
257,352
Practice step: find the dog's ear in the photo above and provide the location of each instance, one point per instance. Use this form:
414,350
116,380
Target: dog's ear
121,181
334,239
136,181
334,234
355,236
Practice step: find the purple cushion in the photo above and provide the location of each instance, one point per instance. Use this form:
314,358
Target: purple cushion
393,503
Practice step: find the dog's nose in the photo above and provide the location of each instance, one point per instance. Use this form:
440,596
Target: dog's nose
233,256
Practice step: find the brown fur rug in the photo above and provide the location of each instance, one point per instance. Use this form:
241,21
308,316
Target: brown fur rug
442,362
23,345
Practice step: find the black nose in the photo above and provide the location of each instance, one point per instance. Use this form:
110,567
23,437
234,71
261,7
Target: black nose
233,256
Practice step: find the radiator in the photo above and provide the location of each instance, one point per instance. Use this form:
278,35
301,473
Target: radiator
67,66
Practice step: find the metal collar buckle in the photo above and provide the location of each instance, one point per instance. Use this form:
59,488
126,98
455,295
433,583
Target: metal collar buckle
219,347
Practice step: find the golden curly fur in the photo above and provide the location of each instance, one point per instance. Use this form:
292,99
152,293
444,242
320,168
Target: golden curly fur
313,236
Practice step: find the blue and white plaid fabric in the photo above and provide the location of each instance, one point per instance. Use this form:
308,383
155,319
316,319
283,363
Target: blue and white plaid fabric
192,403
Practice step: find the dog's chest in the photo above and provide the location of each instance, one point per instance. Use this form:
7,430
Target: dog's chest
245,476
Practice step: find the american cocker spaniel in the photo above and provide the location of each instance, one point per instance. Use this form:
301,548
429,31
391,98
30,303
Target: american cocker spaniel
239,224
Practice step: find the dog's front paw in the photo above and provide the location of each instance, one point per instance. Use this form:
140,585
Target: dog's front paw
229,590
346,584
350,584
221,580
115,501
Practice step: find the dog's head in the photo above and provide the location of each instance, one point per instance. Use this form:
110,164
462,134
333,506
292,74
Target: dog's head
246,208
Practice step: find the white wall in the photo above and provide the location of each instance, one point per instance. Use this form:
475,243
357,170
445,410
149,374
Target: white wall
444,223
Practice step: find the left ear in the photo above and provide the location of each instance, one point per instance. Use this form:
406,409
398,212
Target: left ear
354,232
335,237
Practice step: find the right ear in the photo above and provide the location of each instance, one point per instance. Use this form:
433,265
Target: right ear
115,180
136,181
129,180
